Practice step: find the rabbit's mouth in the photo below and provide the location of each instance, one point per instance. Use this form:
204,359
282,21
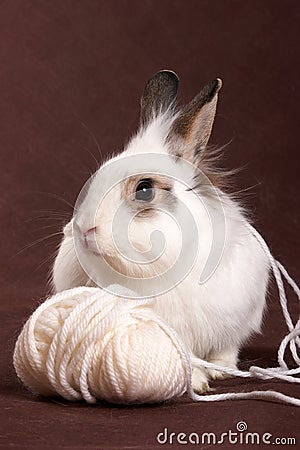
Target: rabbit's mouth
92,246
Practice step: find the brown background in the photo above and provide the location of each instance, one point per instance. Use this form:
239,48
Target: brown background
71,75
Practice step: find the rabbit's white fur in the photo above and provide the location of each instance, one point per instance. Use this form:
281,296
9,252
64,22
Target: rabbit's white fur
213,319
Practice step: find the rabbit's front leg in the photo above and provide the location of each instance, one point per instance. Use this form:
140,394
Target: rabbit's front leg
200,380
226,358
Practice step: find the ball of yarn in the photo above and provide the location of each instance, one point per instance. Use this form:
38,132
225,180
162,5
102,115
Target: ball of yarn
86,343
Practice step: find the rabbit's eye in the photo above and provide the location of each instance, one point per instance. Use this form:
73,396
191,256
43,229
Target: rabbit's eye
144,190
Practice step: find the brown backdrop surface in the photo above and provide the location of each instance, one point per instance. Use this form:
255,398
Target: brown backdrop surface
71,74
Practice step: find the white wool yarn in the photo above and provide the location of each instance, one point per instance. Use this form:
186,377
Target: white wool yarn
85,343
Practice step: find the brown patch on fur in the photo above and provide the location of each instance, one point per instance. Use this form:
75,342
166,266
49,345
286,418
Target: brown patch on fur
215,177
182,126
208,162
159,182
162,186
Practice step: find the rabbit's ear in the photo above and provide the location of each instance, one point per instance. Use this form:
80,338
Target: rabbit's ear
191,130
159,95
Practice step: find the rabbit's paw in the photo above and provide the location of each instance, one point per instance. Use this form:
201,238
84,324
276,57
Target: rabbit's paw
218,374
226,358
200,381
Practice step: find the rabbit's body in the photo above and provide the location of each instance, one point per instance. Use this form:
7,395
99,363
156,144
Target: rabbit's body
216,317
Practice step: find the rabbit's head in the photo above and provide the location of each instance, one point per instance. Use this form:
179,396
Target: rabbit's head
129,217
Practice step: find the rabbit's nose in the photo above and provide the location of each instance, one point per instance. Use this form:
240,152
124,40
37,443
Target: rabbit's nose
89,240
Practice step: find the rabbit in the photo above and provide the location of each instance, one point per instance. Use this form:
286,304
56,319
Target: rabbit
215,318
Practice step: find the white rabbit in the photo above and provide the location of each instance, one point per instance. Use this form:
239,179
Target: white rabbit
215,318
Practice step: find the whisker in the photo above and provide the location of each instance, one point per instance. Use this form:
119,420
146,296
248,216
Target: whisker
37,241
93,137
56,196
48,259
93,156
45,227
52,212
57,220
